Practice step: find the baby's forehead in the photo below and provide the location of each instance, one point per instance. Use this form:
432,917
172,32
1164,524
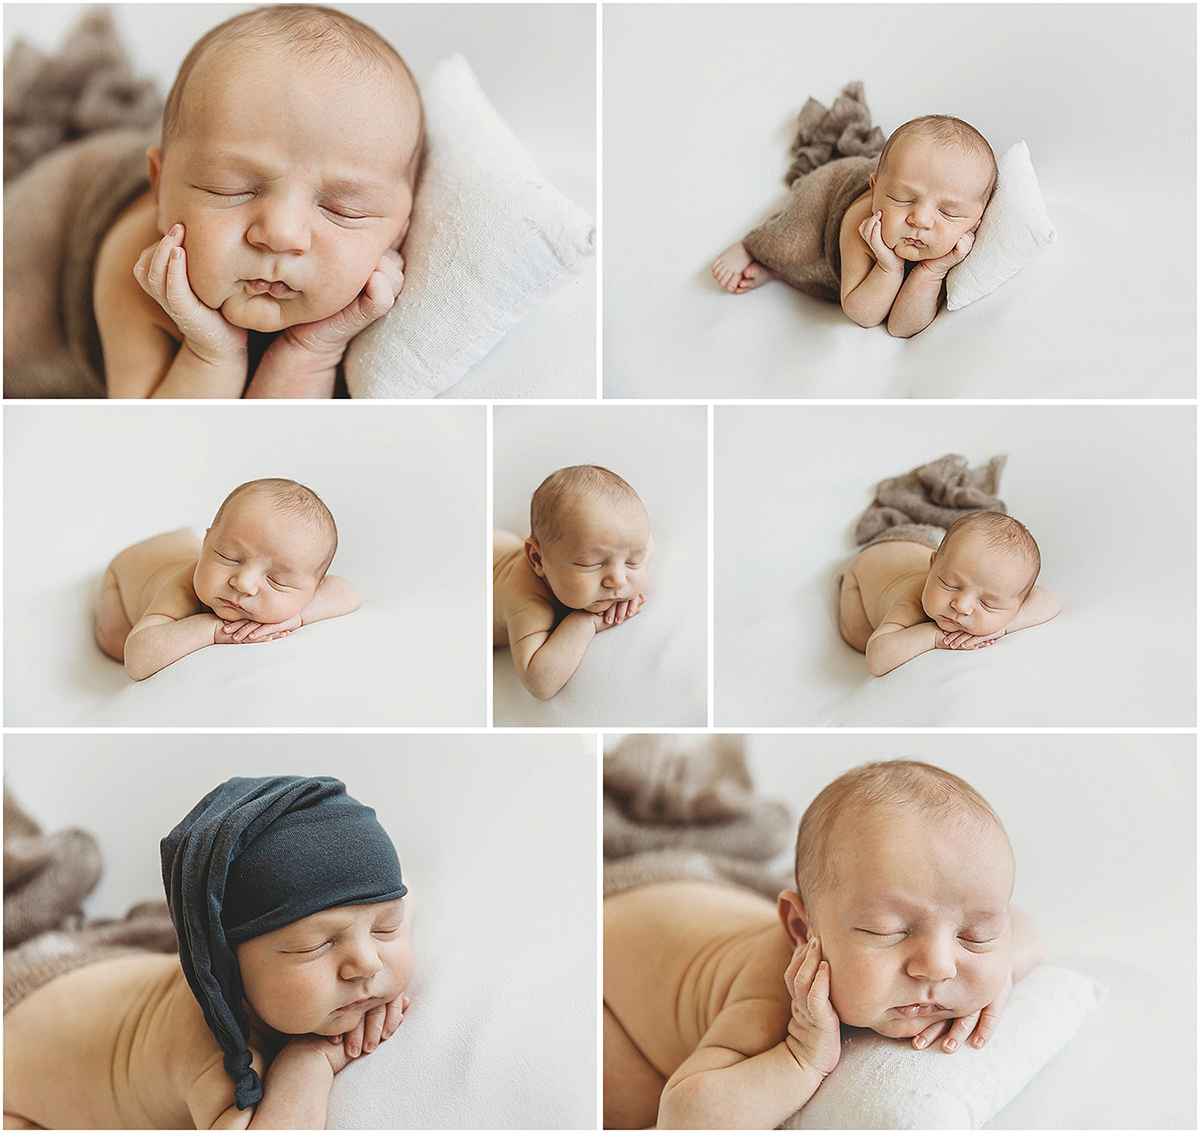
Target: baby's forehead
580,512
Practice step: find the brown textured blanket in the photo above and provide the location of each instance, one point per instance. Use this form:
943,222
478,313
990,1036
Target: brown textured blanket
46,879
835,152
918,506
671,815
76,128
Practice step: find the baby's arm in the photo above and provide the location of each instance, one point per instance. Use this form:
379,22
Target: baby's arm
919,298
739,1077
872,274
334,597
303,361
904,633
172,627
141,358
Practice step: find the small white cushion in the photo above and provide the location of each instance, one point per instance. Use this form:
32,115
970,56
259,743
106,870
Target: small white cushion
884,1083
1014,231
489,238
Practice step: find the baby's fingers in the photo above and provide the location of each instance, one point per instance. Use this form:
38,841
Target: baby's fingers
802,980
959,1030
373,1027
395,1015
247,631
989,1020
930,1033
354,1039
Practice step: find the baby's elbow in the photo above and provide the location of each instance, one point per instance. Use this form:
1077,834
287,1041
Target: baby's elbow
137,668
861,318
877,665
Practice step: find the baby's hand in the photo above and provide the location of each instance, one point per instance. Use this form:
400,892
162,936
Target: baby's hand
956,255
619,612
871,230
330,336
814,1033
376,1026
980,1024
236,633
161,270
963,640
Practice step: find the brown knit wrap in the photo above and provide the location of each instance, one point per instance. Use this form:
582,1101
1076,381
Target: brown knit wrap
46,879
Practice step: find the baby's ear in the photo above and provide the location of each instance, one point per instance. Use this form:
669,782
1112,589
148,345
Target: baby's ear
793,916
534,554
873,176
154,157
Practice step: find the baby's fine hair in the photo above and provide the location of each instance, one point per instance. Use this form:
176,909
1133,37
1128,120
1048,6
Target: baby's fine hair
946,131
308,32
292,499
1001,533
564,487
894,785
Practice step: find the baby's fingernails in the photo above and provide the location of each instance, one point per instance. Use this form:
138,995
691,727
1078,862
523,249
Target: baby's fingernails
176,231
368,1047
919,1042
177,254
979,1041
950,1044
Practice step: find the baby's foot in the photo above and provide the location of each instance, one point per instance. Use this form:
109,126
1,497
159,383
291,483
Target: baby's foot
736,271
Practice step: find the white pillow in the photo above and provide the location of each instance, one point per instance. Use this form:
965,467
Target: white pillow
489,238
1014,231
883,1083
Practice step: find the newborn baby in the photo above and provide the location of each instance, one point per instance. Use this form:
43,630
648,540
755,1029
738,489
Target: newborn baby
294,953
899,599
582,570
899,238
292,143
258,575
722,1012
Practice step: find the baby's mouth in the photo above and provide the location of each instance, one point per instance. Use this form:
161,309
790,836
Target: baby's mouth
274,287
918,1010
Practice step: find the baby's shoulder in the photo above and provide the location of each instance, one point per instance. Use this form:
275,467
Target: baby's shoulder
859,210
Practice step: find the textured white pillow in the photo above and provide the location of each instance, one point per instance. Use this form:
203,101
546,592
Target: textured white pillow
489,238
884,1084
1014,231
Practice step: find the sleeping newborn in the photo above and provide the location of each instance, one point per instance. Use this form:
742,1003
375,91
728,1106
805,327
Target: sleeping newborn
294,954
723,1012
899,599
259,574
914,220
291,147
581,571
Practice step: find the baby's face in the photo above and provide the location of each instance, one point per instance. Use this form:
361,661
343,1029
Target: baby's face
290,183
258,563
323,973
974,588
916,924
930,196
602,556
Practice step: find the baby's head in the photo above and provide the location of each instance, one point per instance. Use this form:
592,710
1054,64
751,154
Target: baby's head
904,873
936,176
287,900
589,538
266,552
291,146
981,573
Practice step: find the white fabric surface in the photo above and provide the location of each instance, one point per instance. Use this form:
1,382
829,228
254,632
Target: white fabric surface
1104,832
497,841
699,111
489,239
1108,492
1014,231
651,671
406,485
537,63
882,1083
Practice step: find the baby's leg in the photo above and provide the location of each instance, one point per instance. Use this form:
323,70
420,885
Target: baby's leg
852,617
735,270
112,624
632,1086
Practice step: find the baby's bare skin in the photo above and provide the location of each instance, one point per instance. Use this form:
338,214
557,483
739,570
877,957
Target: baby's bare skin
118,1044
899,600
678,957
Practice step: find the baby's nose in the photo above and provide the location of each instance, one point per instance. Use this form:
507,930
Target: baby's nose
921,216
361,963
932,959
280,226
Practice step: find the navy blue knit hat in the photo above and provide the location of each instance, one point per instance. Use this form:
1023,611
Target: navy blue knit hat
255,855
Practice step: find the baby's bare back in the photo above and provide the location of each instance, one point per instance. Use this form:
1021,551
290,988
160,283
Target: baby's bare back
141,571
886,573
515,587
112,1045
677,953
